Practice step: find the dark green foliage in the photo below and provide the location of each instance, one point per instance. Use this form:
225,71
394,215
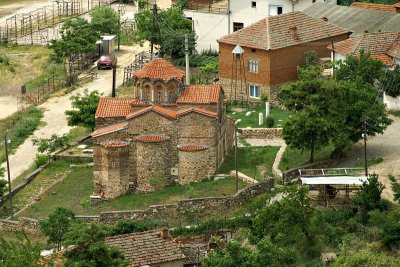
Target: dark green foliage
91,249
310,57
127,227
50,145
84,109
104,19
270,121
390,81
40,160
4,60
395,187
3,183
57,225
269,254
21,252
233,255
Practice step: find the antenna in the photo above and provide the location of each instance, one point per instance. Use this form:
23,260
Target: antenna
238,74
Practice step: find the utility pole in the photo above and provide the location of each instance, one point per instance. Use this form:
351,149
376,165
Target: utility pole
236,167
155,15
119,24
8,175
365,148
113,81
229,16
187,59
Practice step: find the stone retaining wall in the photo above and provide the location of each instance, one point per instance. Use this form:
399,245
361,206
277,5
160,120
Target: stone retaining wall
27,224
260,133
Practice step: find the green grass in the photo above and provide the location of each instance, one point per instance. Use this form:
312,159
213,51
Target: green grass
78,186
77,133
41,182
371,162
264,155
18,127
280,116
296,157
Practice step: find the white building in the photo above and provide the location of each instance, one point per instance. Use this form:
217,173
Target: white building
211,22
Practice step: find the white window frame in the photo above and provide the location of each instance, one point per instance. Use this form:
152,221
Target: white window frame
276,7
252,65
258,90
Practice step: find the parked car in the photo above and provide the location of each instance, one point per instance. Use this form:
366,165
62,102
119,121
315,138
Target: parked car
107,61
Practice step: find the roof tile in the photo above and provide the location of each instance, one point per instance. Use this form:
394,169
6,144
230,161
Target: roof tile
200,94
192,147
110,129
160,110
113,107
152,138
373,6
159,69
197,110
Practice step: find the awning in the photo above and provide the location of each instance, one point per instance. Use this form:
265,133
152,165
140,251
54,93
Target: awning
334,180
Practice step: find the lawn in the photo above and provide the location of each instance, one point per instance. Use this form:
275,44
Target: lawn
248,158
279,115
78,186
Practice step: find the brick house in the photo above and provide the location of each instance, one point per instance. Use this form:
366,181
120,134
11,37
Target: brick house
166,133
150,248
273,49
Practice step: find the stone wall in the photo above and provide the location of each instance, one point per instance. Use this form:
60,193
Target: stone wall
194,166
260,133
175,212
26,224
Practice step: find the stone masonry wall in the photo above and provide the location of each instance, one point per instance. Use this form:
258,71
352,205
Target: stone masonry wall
194,166
260,133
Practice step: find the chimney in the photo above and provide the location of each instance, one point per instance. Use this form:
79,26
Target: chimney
366,31
324,18
164,234
293,33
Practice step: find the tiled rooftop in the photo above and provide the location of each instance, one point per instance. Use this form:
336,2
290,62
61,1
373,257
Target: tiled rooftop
160,110
192,147
388,61
159,69
146,248
200,94
113,107
114,143
282,31
373,6
152,138
109,129
198,110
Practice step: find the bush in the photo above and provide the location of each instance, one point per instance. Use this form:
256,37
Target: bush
270,121
40,160
4,59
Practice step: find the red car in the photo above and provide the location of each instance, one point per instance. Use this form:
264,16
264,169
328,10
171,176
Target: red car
107,61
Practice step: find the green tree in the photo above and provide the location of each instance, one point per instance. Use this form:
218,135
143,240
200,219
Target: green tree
364,258
126,227
90,248
56,225
353,67
84,110
50,145
395,188
390,81
105,20
3,183
19,252
369,197
271,255
232,255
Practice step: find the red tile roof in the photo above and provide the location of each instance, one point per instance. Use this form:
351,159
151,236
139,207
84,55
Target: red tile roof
397,5
114,143
381,45
282,31
373,6
110,129
152,138
160,110
200,94
192,147
197,110
113,107
159,69
146,248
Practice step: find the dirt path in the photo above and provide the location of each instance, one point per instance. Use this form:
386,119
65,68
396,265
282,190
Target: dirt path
8,105
386,146
54,117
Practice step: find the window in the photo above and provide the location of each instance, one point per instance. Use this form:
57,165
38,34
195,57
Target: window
253,4
275,10
253,65
253,91
113,164
237,26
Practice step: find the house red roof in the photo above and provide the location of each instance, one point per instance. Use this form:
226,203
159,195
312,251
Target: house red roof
282,31
382,46
200,94
373,6
160,110
147,248
159,68
192,147
114,143
110,129
113,107
152,138
197,110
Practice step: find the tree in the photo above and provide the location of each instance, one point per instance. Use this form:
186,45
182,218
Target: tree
57,225
104,19
90,248
50,145
395,188
390,81
84,110
126,227
365,257
19,252
232,255
3,183
353,67
167,30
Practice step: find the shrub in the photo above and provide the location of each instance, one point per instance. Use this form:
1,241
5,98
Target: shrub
270,121
4,59
40,160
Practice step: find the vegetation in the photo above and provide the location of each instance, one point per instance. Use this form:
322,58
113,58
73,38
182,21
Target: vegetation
104,19
3,183
249,158
50,145
390,81
84,110
18,127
